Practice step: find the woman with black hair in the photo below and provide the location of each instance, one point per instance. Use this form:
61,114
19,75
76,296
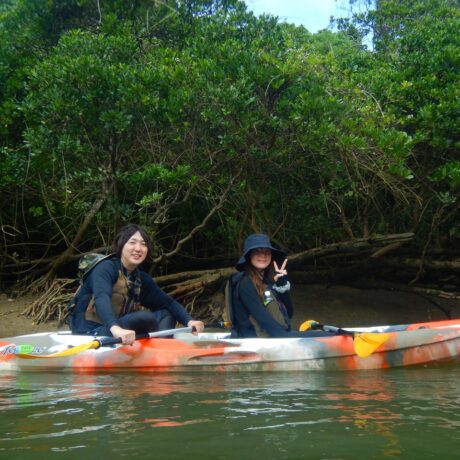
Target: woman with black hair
118,299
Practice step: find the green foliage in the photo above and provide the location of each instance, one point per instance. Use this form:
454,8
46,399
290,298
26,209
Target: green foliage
449,173
154,111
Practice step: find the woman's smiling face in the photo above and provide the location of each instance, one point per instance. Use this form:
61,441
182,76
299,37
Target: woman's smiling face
134,252
261,258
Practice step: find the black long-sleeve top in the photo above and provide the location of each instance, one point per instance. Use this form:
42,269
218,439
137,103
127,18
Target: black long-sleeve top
247,302
99,284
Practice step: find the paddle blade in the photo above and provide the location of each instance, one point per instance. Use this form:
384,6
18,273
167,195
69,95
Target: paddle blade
68,352
367,342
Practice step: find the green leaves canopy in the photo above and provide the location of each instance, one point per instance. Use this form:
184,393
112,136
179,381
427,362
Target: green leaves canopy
149,113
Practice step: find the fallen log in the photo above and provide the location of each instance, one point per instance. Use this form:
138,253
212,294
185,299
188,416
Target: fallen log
429,264
362,246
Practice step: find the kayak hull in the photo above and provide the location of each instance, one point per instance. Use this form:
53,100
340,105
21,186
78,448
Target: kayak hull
406,345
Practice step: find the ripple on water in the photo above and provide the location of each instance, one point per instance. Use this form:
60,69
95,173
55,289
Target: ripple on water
385,414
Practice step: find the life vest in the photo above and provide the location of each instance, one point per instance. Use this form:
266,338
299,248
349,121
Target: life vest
119,298
276,309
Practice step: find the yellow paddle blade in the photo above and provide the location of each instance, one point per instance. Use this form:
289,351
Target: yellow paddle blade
367,342
307,325
68,352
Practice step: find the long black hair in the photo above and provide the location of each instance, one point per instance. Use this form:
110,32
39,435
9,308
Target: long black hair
125,233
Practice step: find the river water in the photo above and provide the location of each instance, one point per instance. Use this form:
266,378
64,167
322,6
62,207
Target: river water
397,413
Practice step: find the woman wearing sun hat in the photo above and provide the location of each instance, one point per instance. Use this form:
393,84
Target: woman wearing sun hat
261,303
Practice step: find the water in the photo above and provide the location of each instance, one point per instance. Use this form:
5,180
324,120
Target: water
398,413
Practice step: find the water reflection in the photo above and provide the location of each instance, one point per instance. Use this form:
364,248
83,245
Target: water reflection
361,405
387,413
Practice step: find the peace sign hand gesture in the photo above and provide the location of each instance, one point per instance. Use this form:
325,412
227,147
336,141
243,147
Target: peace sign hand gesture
280,271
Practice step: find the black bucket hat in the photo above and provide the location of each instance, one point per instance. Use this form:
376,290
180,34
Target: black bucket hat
258,241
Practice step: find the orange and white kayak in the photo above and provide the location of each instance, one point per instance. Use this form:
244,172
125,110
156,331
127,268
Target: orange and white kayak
392,346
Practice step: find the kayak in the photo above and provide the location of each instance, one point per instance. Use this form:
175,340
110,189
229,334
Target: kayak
395,346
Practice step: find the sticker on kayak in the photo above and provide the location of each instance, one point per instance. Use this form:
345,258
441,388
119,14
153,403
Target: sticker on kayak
12,349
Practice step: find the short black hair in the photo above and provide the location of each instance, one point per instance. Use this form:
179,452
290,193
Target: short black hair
125,233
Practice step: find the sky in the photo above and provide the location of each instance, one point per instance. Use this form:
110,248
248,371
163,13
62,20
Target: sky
312,14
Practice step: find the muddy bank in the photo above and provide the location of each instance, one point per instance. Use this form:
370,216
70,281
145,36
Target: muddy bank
13,322
330,304
348,306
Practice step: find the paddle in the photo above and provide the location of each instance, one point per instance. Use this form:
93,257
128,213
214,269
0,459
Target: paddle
365,343
102,342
